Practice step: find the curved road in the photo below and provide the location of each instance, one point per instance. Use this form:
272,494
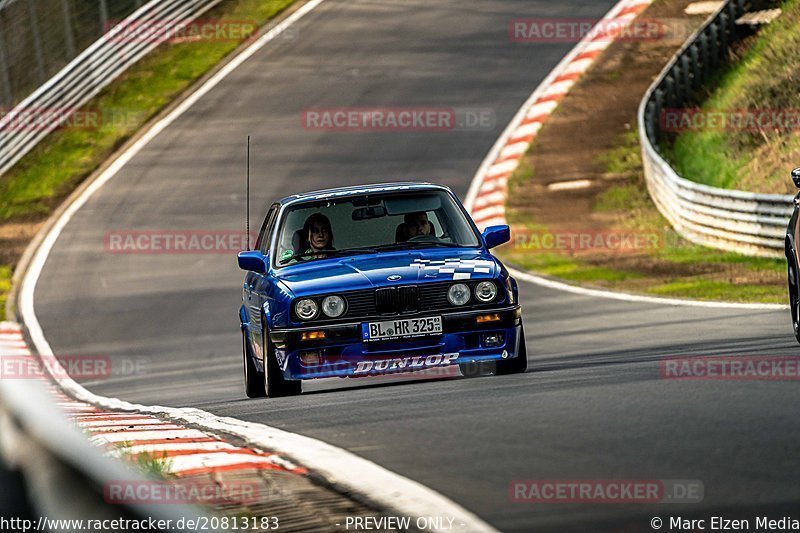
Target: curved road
593,406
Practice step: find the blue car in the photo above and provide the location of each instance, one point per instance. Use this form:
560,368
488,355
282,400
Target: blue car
375,280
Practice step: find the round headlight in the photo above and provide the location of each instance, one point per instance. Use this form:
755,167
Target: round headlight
333,306
458,294
306,309
485,291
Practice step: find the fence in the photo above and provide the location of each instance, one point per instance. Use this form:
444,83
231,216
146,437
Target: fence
90,71
39,37
744,222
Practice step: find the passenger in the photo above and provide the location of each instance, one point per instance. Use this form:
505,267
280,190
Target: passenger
417,224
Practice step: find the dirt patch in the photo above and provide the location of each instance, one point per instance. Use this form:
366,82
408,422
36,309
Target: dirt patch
14,237
592,136
596,112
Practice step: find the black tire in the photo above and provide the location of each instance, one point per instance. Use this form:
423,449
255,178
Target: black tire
274,383
794,299
253,379
517,365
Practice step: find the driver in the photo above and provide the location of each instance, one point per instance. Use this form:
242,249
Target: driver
417,224
317,235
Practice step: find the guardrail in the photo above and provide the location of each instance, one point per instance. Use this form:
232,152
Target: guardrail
92,70
65,477
739,221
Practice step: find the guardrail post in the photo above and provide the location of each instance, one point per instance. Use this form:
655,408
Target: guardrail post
704,69
652,121
69,38
694,62
724,36
714,45
103,16
37,42
669,92
5,82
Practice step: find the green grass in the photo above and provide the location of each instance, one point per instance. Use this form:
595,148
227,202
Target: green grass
151,464
676,268
5,286
766,78
625,158
704,289
568,268
577,270
66,157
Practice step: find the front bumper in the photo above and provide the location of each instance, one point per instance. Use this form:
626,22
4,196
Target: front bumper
343,353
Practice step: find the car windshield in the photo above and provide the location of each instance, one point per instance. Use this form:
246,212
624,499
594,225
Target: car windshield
366,224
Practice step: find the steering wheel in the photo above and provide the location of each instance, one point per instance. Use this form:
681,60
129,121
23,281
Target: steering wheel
424,238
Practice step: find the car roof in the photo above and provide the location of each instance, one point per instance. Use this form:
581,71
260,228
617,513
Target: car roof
358,190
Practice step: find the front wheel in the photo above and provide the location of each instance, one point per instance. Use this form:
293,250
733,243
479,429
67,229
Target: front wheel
253,379
794,300
519,364
275,384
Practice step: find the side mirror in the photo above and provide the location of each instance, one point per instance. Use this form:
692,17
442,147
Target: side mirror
496,235
796,177
253,261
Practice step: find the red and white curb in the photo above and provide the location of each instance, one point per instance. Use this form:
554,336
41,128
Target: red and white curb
185,451
488,191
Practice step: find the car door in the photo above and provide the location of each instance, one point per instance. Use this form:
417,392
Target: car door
256,284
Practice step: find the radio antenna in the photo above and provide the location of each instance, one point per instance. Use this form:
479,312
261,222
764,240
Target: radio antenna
248,193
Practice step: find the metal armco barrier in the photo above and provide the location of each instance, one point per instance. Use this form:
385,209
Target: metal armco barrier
92,70
739,221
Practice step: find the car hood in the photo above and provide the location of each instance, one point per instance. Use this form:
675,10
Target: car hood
370,271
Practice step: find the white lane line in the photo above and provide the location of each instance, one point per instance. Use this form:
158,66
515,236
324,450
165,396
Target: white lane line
373,482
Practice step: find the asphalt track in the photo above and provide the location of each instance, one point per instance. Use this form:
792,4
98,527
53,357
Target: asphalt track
593,405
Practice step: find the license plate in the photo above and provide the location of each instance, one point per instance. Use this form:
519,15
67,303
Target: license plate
401,328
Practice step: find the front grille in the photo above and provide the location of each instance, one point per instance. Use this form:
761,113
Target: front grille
407,299
386,300
391,300
369,303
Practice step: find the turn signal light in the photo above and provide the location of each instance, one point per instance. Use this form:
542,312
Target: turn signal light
482,319
312,335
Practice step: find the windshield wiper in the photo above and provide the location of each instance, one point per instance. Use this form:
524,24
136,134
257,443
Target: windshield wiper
416,244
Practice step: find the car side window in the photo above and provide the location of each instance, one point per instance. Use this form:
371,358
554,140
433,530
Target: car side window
262,244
